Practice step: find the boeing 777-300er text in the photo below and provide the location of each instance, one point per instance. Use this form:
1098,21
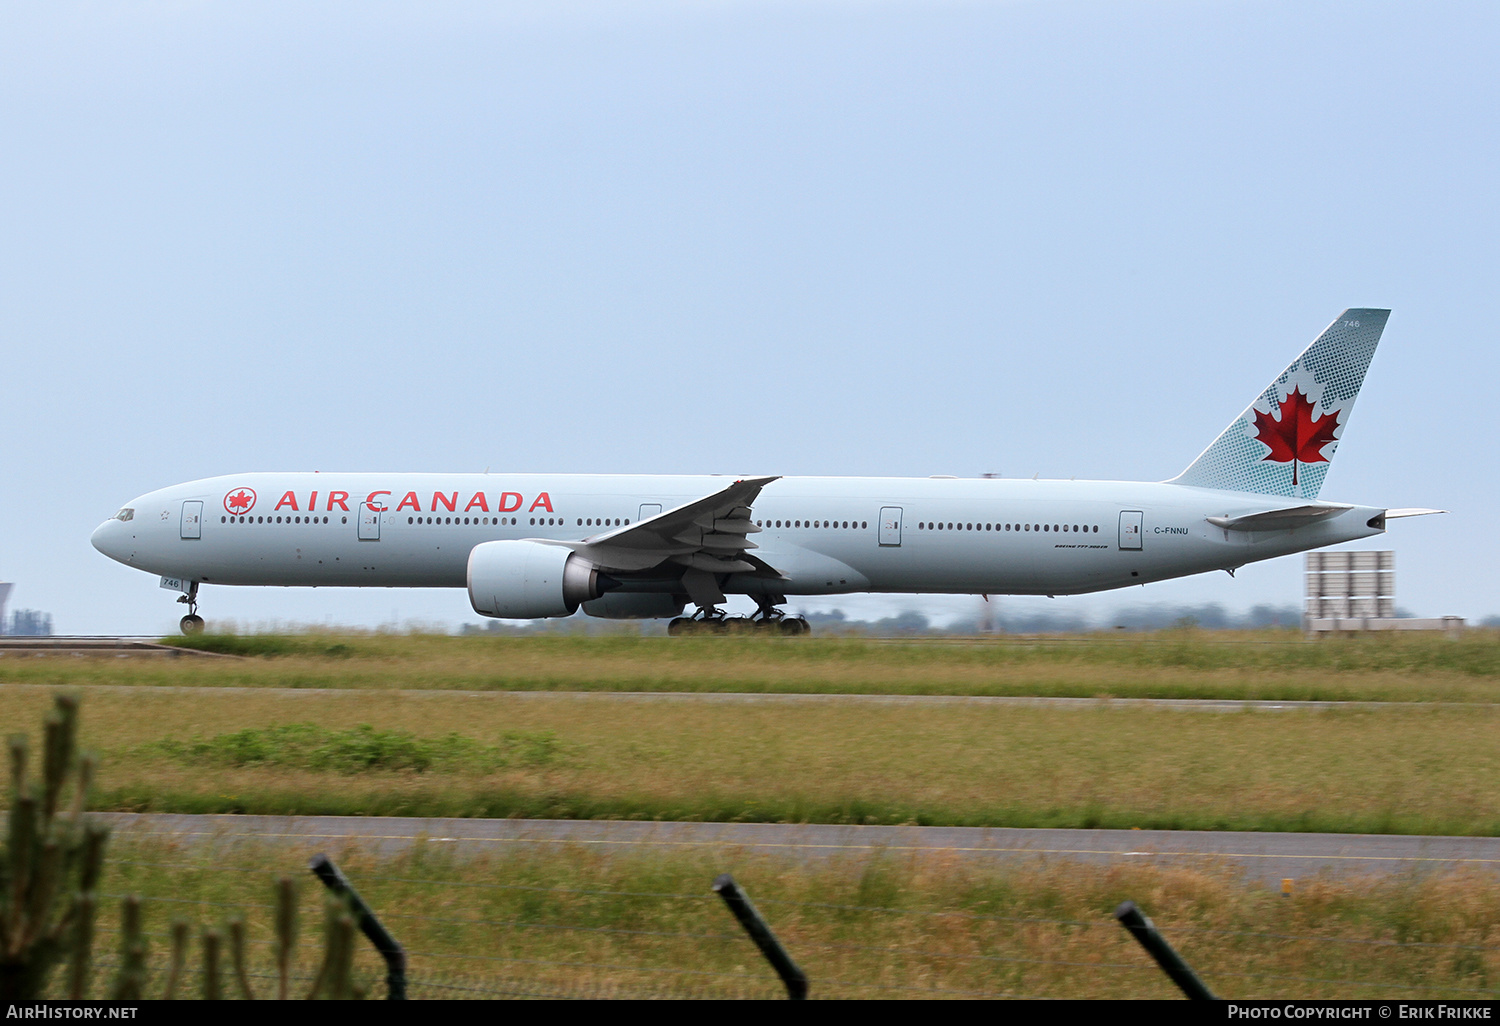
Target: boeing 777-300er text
541,545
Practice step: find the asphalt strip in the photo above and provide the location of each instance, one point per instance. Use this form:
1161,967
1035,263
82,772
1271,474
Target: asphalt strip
711,697
1268,857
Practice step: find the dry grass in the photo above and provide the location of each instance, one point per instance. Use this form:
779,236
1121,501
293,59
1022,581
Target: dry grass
572,923
1172,664
1393,769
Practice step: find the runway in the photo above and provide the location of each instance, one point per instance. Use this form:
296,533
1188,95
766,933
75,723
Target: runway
1268,857
1198,705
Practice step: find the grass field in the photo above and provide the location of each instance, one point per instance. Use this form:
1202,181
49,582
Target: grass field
1389,769
574,924
423,726
1276,665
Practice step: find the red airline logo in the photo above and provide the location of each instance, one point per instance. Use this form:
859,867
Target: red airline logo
1293,435
241,500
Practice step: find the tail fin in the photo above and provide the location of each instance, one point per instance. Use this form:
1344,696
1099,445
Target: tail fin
1281,445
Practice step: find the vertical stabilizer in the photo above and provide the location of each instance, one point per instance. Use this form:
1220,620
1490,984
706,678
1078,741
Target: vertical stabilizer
1283,443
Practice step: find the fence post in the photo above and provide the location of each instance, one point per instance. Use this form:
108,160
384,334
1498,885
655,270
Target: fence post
1145,931
394,955
760,932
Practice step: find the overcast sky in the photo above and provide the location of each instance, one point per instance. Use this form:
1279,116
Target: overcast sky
1055,238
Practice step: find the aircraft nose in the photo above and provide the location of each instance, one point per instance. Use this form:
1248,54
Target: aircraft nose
112,538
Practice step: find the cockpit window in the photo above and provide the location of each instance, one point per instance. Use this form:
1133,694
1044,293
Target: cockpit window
125,514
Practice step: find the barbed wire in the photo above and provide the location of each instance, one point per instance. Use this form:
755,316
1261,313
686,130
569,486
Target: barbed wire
1326,940
968,957
708,897
190,901
861,985
512,988
673,970
533,989
886,910
1091,923
515,924
1345,982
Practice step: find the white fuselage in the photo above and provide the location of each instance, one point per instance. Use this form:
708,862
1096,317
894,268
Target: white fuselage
825,535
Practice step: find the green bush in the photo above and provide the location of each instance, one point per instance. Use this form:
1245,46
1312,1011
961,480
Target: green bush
358,749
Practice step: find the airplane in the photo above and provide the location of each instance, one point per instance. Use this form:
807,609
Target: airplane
529,546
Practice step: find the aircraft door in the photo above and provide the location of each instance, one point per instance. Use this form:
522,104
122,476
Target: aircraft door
890,525
649,510
369,523
192,519
1130,529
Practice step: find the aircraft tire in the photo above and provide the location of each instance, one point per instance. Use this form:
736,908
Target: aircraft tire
191,624
679,626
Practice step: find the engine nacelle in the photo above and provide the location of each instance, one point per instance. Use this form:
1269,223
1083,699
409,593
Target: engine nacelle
635,606
526,580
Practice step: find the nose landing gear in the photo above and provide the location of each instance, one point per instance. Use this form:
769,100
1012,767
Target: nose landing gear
192,623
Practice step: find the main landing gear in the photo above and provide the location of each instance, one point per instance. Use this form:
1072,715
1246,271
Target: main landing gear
712,620
192,623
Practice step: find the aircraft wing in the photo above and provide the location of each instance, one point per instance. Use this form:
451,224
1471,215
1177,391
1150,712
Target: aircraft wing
711,534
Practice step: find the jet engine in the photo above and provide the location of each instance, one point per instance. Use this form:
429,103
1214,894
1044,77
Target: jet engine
526,580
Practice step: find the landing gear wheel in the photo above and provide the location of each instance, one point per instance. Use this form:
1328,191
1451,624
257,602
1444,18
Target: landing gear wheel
192,623
793,626
708,620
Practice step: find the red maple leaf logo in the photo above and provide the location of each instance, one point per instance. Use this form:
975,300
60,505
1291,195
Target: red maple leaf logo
240,501
1296,437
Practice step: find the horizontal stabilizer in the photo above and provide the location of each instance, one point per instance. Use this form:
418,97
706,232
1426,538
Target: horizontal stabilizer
1279,519
1396,514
